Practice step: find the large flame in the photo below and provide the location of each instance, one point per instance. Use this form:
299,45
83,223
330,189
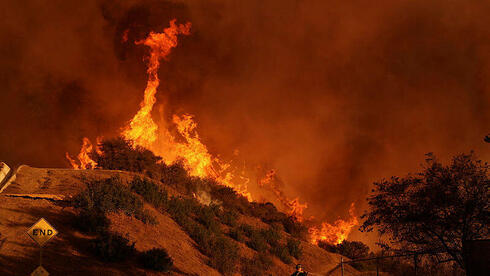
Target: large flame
142,129
186,146
334,233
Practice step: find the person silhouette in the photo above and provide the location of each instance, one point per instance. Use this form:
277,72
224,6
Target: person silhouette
299,271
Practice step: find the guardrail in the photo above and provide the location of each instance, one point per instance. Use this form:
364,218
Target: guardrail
414,255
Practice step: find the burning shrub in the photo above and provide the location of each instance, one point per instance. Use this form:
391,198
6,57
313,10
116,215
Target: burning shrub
156,259
294,248
174,175
177,176
230,199
119,154
267,212
150,191
113,247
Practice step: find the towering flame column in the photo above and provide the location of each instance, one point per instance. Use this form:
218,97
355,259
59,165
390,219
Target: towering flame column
142,130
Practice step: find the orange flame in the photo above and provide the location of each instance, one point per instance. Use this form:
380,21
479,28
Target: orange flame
334,233
83,157
142,129
294,207
188,148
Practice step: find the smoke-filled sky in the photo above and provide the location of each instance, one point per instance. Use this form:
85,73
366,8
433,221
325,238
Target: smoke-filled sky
333,94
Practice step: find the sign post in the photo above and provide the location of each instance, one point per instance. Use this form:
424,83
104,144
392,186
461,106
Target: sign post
41,232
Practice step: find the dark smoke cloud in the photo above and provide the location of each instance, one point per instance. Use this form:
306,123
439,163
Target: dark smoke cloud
333,95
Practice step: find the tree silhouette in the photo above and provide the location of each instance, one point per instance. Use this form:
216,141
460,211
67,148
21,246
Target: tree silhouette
435,211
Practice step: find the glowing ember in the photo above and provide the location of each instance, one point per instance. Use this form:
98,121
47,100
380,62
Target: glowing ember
334,233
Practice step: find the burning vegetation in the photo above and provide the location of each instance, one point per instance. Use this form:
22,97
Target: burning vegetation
184,146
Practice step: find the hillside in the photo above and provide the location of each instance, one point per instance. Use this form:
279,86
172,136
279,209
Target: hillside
32,193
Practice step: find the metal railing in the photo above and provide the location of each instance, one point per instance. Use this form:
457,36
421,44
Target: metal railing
414,255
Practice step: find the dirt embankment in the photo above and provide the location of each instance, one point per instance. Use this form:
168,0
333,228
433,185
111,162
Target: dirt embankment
36,193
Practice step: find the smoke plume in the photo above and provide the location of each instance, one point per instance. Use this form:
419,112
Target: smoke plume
331,95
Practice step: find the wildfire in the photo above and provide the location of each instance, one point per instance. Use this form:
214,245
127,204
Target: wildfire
142,129
184,144
334,233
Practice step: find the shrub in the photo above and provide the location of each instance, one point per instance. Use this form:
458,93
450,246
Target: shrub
295,228
353,249
177,176
282,253
91,221
184,206
229,217
294,248
266,212
350,249
119,154
260,263
224,255
264,261
246,229
257,241
237,234
156,259
332,248
271,235
202,236
250,268
146,217
108,195
150,191
206,216
230,199
113,247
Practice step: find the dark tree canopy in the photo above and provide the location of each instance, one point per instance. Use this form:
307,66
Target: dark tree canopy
350,249
434,211
119,154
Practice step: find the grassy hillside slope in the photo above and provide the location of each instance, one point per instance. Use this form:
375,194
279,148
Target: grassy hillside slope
37,193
